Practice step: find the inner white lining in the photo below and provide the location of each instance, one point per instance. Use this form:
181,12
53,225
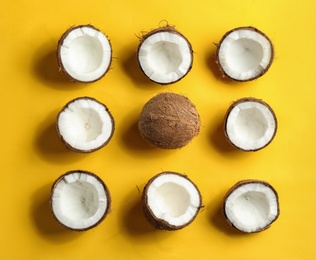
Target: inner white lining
79,200
245,54
86,54
251,207
173,199
165,57
250,125
85,124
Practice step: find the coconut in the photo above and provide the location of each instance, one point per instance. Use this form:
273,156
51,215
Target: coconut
244,54
84,53
80,200
85,125
251,206
250,124
171,201
169,121
165,55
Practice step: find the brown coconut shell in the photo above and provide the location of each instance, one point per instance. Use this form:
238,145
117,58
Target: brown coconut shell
247,99
59,60
73,148
169,121
107,192
264,70
238,185
158,223
169,29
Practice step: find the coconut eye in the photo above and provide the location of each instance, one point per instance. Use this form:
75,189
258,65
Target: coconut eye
251,206
165,55
250,124
171,201
84,53
244,54
80,200
169,121
85,125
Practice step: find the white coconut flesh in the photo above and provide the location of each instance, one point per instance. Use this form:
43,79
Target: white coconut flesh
245,54
85,54
173,199
165,57
79,200
250,125
85,124
252,207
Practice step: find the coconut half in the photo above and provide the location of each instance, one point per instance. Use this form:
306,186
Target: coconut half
84,53
250,124
171,201
165,55
251,206
244,54
80,200
85,125
169,121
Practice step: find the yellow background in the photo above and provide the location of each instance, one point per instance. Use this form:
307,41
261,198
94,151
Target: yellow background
32,156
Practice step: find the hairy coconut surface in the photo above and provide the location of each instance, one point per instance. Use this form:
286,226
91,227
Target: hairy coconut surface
84,53
250,124
251,206
85,125
169,121
165,55
80,200
171,201
244,54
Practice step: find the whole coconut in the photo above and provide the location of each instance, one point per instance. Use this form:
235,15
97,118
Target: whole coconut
169,121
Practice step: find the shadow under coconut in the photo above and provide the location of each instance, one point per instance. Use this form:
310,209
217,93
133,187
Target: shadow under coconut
132,69
217,218
214,68
219,140
46,69
135,222
49,145
44,221
211,63
134,142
